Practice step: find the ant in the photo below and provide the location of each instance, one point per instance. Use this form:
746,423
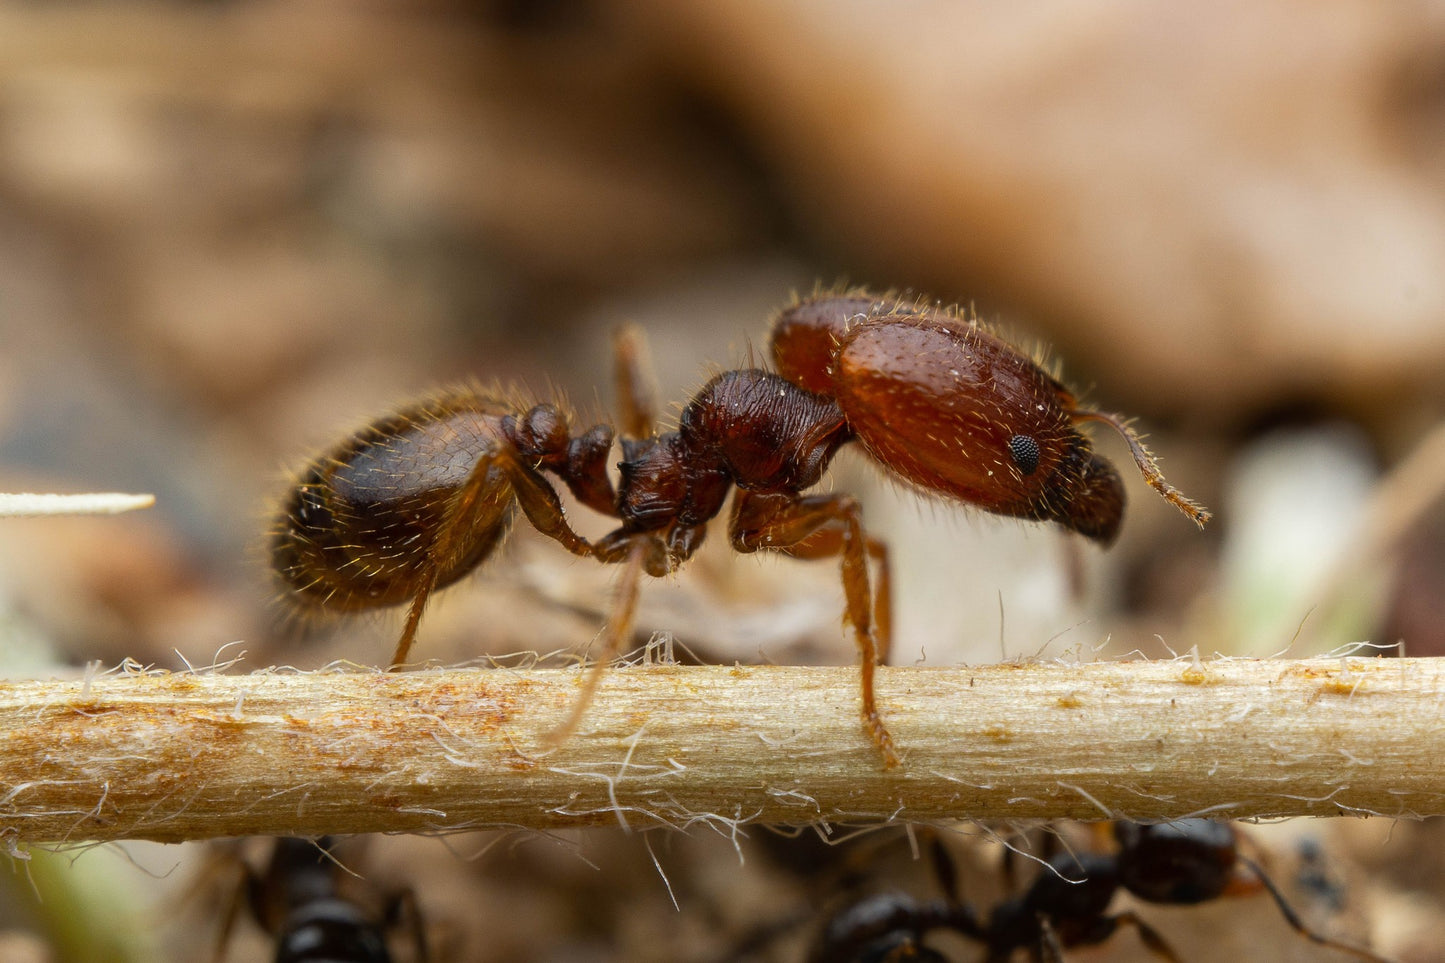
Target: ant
1184,862
298,901
417,499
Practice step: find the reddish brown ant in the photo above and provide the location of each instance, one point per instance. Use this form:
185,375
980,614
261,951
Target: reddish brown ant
420,498
1180,863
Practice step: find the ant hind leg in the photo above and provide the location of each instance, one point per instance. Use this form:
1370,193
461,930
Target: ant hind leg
413,619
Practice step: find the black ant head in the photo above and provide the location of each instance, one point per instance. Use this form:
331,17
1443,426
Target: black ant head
330,931
1183,862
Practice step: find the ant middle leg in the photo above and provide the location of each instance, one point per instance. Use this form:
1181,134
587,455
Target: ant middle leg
786,523
636,385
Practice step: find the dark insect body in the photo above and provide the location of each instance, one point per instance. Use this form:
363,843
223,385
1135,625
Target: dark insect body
1181,863
419,498
298,902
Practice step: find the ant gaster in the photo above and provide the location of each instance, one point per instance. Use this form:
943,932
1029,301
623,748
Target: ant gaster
298,902
1180,863
418,499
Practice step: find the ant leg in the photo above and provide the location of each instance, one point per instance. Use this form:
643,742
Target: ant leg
636,386
1297,924
245,886
882,599
1150,937
619,625
944,869
827,543
482,497
1050,948
402,908
544,510
782,522
413,619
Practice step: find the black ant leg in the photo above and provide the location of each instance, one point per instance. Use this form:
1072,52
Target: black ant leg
1149,936
782,522
402,907
943,868
1297,924
247,881
619,626
1049,950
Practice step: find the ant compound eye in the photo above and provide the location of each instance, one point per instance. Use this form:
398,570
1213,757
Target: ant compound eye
1024,449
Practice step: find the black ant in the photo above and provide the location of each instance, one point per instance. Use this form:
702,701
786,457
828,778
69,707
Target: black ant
297,901
1184,862
419,498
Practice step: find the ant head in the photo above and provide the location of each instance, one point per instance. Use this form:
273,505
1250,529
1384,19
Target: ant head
330,929
1182,862
1092,502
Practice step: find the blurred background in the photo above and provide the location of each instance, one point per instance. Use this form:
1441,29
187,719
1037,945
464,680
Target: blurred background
232,232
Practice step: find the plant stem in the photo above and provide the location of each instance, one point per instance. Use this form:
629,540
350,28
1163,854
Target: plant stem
195,755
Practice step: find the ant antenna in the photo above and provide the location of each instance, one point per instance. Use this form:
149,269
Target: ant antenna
1148,465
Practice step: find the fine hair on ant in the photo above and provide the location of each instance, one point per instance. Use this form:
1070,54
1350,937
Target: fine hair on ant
419,498
1180,863
298,901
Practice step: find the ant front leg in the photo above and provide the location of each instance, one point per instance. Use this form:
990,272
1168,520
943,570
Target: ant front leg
791,523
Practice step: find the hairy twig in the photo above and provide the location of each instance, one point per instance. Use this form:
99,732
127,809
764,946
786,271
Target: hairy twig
173,756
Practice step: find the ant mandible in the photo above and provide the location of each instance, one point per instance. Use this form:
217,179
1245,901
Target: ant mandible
298,902
418,499
1182,863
